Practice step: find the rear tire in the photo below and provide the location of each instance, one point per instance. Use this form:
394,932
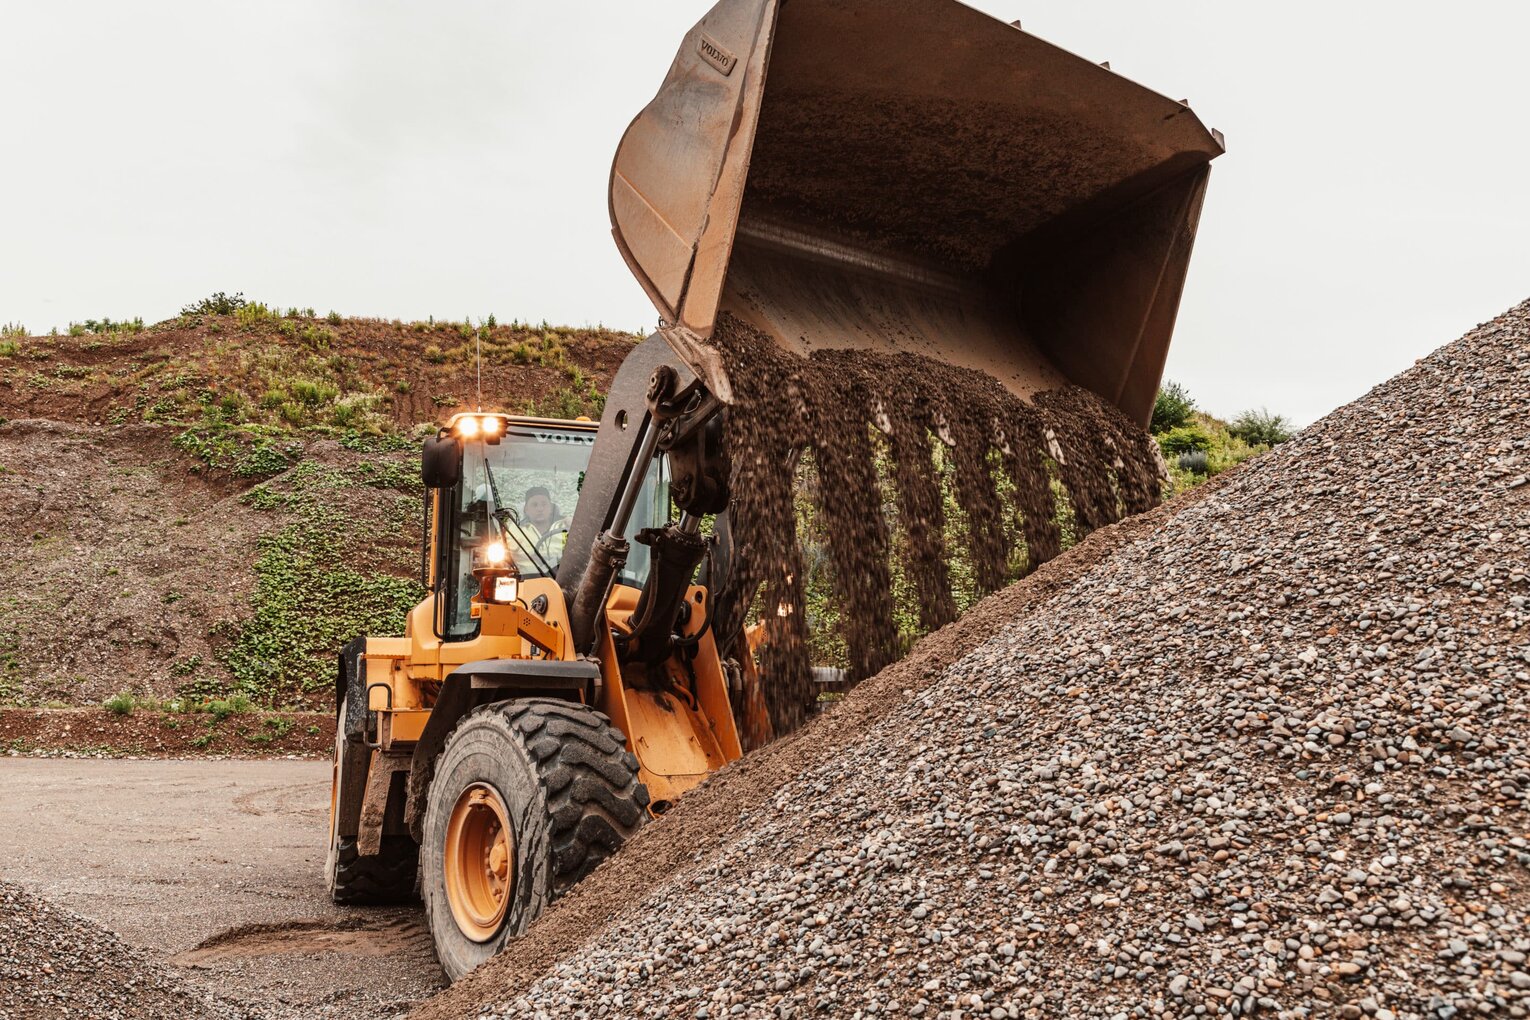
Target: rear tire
560,774
387,877
355,880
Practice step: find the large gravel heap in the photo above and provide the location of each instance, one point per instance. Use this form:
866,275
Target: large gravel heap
1271,755
56,964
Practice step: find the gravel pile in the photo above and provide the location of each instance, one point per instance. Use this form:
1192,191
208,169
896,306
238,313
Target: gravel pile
57,964
1271,756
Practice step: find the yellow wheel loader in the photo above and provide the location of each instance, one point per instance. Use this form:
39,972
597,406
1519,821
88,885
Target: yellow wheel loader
893,174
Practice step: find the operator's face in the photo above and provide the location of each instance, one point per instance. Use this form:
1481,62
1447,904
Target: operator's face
539,510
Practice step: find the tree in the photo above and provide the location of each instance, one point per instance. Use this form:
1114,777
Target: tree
1260,428
1172,408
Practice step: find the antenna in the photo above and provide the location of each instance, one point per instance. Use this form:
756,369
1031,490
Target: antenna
478,404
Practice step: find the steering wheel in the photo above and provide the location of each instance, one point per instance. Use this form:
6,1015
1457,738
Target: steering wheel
543,547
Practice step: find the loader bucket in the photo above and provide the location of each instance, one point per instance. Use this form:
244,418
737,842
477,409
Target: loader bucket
915,175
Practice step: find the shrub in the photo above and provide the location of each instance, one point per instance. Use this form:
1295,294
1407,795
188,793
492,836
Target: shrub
9,348
120,704
218,304
1185,439
316,337
313,392
1197,463
334,318
13,331
252,312
221,708
98,326
1261,428
1172,408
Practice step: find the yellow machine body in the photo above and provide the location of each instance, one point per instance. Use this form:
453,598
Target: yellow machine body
679,736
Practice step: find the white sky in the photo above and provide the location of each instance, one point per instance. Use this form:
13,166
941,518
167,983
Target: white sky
405,159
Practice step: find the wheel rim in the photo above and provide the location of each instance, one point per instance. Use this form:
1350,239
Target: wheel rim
479,862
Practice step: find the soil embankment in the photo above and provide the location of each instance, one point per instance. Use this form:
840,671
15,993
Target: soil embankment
210,506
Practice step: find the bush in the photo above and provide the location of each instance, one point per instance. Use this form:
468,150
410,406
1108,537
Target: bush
1196,463
252,312
99,326
1261,428
218,304
313,392
1172,408
222,708
120,704
1185,439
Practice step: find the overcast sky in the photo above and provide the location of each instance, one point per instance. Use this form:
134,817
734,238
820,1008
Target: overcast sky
405,159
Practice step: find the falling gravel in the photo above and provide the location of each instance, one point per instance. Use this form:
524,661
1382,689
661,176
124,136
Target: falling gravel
1270,755
841,408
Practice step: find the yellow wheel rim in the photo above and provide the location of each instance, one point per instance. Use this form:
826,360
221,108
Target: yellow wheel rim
479,862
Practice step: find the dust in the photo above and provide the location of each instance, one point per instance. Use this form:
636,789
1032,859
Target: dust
833,405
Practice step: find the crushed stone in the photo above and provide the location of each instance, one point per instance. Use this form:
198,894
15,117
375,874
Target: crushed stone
1264,750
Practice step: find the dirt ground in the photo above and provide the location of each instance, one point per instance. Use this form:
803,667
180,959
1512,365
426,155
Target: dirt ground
218,866
98,733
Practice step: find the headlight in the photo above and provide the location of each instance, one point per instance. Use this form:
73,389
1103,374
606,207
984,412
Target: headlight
467,427
492,426
506,588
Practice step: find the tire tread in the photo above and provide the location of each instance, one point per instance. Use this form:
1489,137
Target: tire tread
589,778
389,877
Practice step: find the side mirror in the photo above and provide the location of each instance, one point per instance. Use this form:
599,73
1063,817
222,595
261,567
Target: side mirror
441,462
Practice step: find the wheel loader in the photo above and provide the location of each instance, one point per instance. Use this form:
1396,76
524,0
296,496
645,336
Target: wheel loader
906,175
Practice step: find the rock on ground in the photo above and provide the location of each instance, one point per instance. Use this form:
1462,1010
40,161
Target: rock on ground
1271,758
56,964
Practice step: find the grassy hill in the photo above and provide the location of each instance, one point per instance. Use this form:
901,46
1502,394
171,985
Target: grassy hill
207,507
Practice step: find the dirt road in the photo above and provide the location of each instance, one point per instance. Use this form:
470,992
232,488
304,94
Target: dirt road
218,866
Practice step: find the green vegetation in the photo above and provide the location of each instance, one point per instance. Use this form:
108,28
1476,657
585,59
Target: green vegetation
221,708
242,454
121,704
1185,439
100,326
1261,428
273,729
252,313
1198,446
218,304
317,586
1172,408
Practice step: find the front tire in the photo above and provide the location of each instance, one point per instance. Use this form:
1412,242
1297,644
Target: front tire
528,797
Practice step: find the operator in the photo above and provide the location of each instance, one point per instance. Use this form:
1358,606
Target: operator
544,528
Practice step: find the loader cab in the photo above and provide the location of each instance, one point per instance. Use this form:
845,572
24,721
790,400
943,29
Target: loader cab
516,485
